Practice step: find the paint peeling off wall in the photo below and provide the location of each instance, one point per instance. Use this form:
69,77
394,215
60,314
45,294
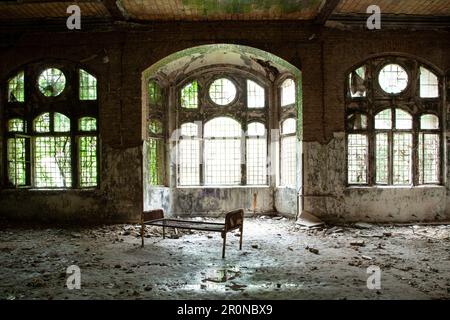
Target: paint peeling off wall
327,196
216,201
286,201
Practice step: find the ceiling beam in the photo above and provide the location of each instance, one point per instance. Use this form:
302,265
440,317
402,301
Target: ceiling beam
394,21
116,9
325,11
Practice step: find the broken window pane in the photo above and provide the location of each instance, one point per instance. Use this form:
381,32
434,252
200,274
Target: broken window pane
357,82
42,123
61,123
87,124
154,93
287,92
288,126
88,86
402,158
16,125
16,161
383,120
357,149
255,95
403,120
429,147
429,122
222,91
189,156
256,154
382,158
16,88
393,78
87,161
52,162
189,95
52,82
357,121
429,84
223,151
155,154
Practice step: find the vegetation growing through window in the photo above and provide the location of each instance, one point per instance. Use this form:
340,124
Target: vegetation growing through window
88,86
154,93
189,95
52,82
51,154
16,88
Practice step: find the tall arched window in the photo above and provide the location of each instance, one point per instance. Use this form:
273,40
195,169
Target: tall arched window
389,140
222,135
53,141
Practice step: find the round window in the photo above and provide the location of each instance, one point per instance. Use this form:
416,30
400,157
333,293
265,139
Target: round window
393,78
222,91
52,82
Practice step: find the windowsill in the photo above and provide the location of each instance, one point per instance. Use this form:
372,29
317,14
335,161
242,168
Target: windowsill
56,190
223,187
424,186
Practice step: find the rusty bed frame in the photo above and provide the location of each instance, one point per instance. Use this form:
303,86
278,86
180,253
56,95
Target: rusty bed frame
233,220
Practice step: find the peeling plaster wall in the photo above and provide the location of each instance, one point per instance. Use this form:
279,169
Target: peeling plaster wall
286,201
117,200
327,196
216,201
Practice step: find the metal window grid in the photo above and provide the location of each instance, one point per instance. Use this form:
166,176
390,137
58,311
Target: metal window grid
429,158
357,157
222,91
88,86
189,95
402,158
288,160
188,161
382,158
256,161
87,161
16,88
52,158
16,161
255,95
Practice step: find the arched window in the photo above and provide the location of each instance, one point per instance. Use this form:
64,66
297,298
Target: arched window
222,151
155,152
223,140
288,153
398,144
52,145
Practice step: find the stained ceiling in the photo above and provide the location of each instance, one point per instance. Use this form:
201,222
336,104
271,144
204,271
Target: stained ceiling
141,11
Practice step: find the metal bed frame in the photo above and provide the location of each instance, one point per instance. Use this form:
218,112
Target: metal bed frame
233,220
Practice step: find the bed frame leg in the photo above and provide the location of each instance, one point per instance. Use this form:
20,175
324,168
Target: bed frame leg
142,234
164,232
224,236
240,240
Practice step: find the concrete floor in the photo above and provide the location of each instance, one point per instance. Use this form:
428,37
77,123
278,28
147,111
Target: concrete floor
275,263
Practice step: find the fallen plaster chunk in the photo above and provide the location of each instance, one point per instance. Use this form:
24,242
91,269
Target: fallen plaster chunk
309,220
363,225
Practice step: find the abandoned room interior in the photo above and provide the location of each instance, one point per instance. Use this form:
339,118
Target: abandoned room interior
224,149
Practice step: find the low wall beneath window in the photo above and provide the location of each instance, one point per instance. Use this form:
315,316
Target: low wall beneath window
119,198
216,201
286,201
327,196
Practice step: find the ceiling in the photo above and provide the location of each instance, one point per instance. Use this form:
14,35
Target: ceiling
142,11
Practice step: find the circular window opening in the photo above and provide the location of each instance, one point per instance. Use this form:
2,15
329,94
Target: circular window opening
393,78
222,91
52,82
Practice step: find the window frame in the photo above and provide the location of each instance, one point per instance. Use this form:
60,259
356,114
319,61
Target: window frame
66,103
377,100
